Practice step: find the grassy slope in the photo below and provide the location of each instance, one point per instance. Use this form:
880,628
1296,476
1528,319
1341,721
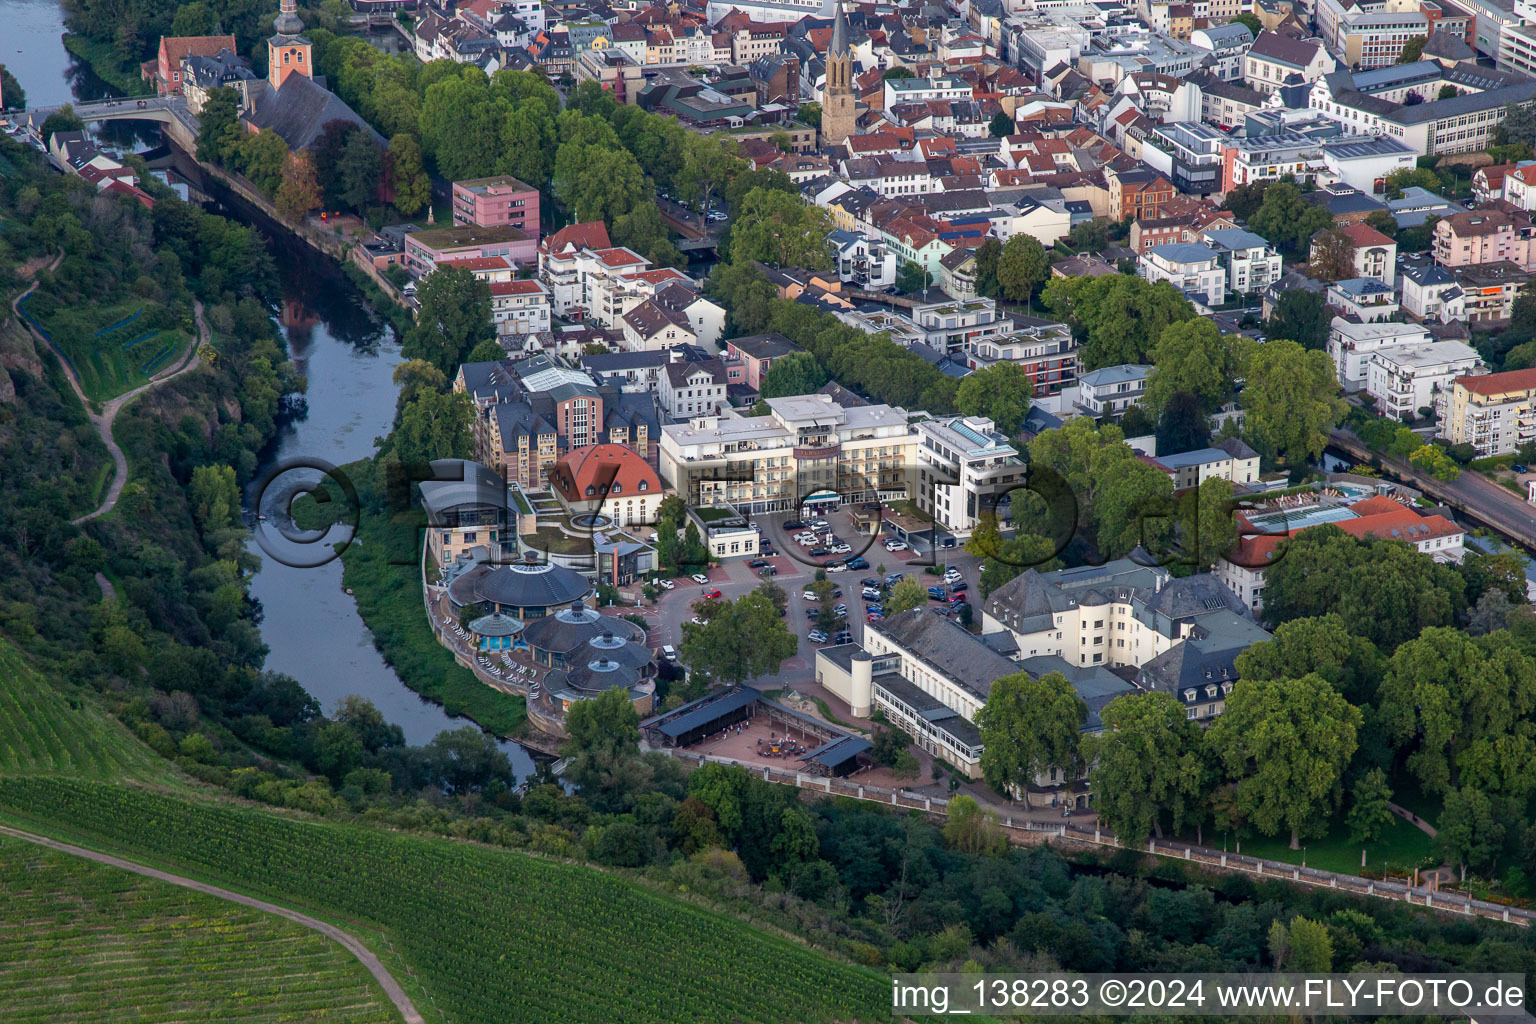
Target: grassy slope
45,730
485,929
122,947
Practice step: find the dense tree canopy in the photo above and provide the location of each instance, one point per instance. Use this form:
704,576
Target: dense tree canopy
454,315
1000,392
1028,726
743,639
1292,400
1383,590
1286,743
1148,766
1194,357
1300,315
1119,318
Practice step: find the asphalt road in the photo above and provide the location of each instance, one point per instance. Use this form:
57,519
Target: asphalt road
734,578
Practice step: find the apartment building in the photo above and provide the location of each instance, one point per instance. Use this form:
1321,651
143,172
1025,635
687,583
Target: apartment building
963,466
1193,269
1045,350
689,389
1110,390
520,307
1489,290
601,285
1404,379
1482,236
1493,412
1351,346
1251,264
1230,460
804,445
1138,192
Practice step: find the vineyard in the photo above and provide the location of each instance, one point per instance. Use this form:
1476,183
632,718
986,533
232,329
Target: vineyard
120,947
42,729
491,935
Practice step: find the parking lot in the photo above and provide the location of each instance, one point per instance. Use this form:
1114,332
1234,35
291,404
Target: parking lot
796,571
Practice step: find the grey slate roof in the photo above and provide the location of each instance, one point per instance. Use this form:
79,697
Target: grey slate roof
519,586
300,110
461,482
948,648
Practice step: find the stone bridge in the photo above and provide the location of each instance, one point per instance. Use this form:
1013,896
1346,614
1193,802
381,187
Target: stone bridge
180,123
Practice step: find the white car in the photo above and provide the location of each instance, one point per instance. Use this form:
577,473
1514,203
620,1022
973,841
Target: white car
895,545
669,652
665,584
809,595
837,566
953,576
818,524
841,549
699,578
698,621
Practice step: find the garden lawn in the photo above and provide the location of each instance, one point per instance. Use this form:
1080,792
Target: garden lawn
1401,848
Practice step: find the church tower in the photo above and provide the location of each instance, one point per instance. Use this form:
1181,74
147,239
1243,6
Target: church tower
288,52
839,109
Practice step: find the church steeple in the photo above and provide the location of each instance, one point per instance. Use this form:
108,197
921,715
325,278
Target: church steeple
839,108
288,52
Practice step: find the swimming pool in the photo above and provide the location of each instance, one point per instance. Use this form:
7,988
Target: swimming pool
1285,519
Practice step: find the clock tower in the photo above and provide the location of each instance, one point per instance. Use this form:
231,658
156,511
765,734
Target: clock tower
288,52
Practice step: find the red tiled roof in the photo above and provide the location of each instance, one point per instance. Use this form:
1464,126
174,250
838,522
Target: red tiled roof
517,288
1403,524
619,257
1499,383
591,235
1361,234
604,468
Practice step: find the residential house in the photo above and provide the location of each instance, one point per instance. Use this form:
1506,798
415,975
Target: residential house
1139,192
1111,390
1351,346
1495,413
1406,380
757,353
1192,269
520,307
1364,298
1483,236
1430,292
1230,460
165,71
964,465
689,389
1045,350
610,480
1251,264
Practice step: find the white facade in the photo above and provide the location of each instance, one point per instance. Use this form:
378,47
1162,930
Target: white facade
1405,379
1351,346
1110,390
1193,269
963,463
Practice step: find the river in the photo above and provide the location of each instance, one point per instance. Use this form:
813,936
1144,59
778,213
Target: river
311,626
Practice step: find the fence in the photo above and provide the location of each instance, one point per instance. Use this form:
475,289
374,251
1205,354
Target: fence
1027,831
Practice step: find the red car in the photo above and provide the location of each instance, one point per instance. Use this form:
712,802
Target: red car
712,594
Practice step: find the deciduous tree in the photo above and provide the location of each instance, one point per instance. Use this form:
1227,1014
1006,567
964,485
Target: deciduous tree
744,639
455,314
1000,393
795,374
411,187
1148,763
1022,267
1292,401
1028,726
1193,356
1285,743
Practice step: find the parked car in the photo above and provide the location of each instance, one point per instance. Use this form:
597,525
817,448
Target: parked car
665,584
895,578
816,636
960,587
844,637
819,524
841,549
870,581
875,606
668,652
836,567
808,595
895,545
952,574
794,524
698,621
712,594
770,571
819,552
812,613
937,594
699,578
756,563
858,563
875,616
839,609
870,594
942,609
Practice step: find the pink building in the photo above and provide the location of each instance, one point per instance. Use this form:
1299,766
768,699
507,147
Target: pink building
756,353
1484,236
497,202
424,250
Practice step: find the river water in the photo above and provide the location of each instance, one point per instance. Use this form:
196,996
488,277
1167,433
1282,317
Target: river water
311,626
